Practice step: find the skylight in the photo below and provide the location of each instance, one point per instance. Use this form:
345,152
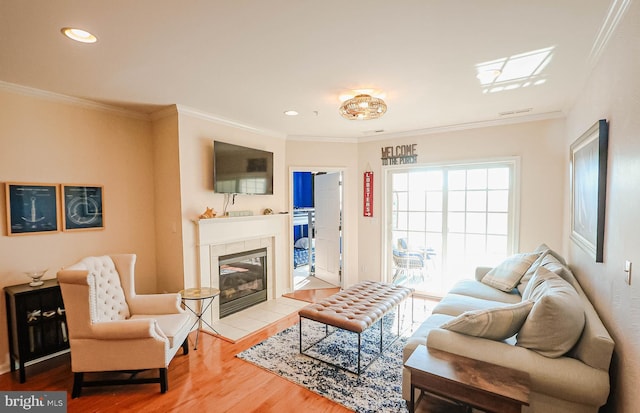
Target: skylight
513,72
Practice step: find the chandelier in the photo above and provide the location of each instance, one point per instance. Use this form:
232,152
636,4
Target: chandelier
363,107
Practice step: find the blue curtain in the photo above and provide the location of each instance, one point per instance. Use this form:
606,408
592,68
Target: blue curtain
302,190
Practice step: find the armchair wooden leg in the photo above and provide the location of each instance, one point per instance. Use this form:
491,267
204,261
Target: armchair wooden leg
77,385
185,346
164,382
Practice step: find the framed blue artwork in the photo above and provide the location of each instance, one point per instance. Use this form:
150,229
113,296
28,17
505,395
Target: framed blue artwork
83,207
32,208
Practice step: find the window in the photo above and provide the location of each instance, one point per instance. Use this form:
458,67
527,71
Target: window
446,220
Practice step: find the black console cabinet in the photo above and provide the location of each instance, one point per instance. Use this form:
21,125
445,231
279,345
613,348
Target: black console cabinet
36,322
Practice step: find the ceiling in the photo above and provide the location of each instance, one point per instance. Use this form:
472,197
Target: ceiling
246,62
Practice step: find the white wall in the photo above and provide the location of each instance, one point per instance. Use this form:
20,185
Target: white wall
335,155
48,139
613,92
196,135
542,161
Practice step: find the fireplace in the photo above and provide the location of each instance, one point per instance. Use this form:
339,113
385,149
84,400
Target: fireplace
221,237
243,280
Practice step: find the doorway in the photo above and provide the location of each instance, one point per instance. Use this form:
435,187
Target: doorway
317,205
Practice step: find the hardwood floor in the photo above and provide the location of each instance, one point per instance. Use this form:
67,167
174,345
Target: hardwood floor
210,379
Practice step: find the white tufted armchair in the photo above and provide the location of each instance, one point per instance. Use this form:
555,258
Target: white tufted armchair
111,328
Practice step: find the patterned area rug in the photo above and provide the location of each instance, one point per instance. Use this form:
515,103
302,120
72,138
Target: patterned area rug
377,389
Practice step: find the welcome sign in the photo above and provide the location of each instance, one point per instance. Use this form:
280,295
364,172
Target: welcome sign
399,155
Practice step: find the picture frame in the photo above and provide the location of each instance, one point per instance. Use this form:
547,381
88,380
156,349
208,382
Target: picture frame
82,207
588,172
32,208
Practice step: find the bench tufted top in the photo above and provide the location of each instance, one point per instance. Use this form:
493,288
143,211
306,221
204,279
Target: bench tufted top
358,307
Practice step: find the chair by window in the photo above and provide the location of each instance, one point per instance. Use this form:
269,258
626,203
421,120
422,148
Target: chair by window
409,264
111,328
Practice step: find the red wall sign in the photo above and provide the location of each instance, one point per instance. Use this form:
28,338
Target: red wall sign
368,194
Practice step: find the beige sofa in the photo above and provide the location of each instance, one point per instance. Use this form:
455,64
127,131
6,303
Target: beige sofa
544,325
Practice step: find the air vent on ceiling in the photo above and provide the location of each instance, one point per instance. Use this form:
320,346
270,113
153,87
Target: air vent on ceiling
515,112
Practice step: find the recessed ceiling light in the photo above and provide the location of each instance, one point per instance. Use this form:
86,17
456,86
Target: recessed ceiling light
291,113
79,35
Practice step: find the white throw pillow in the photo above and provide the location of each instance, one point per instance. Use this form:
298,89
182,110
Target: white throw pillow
302,243
549,261
507,275
556,320
495,324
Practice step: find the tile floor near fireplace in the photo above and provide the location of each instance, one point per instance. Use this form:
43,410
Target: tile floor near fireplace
238,325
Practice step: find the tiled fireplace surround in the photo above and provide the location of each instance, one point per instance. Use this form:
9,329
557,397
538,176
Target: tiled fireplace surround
224,236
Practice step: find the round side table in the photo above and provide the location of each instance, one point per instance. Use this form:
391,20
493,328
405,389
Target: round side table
205,296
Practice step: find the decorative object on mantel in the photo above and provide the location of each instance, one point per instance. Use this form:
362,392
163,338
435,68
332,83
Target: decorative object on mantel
267,211
208,213
36,276
363,107
239,213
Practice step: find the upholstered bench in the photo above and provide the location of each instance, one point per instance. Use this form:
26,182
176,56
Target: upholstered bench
355,309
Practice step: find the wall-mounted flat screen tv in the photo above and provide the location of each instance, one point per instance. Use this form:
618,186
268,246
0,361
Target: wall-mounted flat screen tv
241,170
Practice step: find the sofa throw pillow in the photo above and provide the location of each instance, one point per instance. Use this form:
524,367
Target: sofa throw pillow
549,261
495,324
532,269
556,320
545,248
507,275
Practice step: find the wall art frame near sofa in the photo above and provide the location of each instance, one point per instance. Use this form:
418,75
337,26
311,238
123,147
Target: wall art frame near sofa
588,171
32,208
82,207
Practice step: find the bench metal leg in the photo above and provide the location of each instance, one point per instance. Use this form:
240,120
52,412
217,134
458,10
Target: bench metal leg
359,351
381,334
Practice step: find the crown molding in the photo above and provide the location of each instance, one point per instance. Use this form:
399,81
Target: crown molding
305,138
439,129
470,125
70,100
609,25
164,113
195,113
185,110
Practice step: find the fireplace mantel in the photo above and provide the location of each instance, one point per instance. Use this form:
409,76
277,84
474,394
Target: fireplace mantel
230,229
221,236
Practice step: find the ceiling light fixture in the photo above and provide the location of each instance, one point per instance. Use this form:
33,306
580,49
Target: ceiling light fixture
79,35
291,113
363,107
